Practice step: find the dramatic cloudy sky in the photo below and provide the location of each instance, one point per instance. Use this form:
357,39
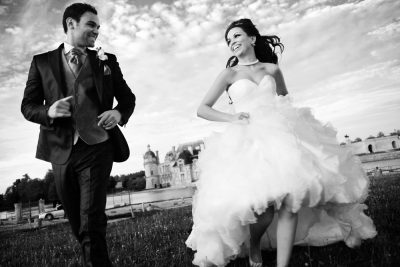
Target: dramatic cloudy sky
341,58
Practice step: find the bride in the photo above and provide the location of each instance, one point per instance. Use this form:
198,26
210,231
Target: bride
276,176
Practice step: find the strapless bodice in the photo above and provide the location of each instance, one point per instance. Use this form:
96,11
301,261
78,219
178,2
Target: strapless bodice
247,95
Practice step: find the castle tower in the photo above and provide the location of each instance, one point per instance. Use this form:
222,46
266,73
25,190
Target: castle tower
150,161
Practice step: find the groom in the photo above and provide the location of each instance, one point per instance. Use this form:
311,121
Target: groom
70,93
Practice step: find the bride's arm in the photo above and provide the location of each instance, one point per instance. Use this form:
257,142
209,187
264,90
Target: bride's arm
205,109
280,82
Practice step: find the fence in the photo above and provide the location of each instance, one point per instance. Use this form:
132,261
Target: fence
148,196
383,170
135,200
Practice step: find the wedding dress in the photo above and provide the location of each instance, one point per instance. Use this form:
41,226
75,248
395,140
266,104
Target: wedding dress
282,151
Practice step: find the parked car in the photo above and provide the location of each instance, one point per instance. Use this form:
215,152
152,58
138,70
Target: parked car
58,212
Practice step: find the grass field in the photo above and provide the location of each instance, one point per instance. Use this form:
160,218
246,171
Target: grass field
157,239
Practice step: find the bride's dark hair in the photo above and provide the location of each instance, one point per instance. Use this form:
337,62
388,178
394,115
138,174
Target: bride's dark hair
265,44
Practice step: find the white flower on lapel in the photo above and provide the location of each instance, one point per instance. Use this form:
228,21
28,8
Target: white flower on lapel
101,54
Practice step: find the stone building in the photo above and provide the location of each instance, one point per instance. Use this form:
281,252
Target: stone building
151,162
379,153
374,145
178,169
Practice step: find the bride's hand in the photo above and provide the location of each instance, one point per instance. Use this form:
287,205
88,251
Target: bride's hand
241,117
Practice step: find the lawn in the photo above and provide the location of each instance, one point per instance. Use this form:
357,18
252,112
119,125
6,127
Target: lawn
157,239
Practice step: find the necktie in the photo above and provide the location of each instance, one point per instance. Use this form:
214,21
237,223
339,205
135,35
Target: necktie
75,60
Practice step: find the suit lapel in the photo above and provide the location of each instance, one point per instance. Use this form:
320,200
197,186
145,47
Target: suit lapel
55,66
98,73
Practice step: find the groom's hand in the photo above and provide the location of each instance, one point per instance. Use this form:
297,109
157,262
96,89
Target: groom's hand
109,119
60,108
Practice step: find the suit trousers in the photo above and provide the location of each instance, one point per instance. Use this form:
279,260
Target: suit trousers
82,187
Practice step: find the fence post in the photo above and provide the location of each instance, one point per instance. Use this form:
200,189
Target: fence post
132,213
30,214
41,205
38,223
18,212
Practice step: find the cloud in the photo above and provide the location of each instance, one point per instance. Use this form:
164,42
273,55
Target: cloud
14,30
4,10
387,30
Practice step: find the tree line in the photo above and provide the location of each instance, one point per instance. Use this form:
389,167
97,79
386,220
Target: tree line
380,134
26,189
133,181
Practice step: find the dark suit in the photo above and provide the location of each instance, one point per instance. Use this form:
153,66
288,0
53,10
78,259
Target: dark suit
81,170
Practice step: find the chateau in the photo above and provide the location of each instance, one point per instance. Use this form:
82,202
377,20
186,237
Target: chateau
178,169
180,165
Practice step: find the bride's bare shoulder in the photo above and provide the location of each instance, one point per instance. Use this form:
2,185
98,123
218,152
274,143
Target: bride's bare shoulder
227,75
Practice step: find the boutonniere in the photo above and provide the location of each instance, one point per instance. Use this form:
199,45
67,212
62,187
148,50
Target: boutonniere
101,55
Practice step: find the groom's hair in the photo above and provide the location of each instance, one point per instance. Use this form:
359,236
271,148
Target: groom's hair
76,11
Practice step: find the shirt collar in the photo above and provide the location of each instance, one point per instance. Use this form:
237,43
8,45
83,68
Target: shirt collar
68,48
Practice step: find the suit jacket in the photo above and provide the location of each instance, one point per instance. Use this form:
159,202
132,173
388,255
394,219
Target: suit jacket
46,85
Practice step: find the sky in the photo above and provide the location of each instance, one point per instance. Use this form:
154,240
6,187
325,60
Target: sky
341,58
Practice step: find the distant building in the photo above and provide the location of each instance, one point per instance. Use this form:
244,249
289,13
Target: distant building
180,165
151,162
178,169
377,153
373,145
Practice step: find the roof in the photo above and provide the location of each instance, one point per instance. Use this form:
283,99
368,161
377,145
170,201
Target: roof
185,146
149,154
186,156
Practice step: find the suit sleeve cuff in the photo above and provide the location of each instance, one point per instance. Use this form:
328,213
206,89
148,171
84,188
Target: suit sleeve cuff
49,121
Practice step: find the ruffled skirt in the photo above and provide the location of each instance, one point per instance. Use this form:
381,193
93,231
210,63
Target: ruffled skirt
282,153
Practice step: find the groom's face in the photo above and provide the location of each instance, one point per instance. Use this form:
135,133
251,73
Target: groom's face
85,31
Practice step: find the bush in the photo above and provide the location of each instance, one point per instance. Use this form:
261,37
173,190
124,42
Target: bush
380,134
